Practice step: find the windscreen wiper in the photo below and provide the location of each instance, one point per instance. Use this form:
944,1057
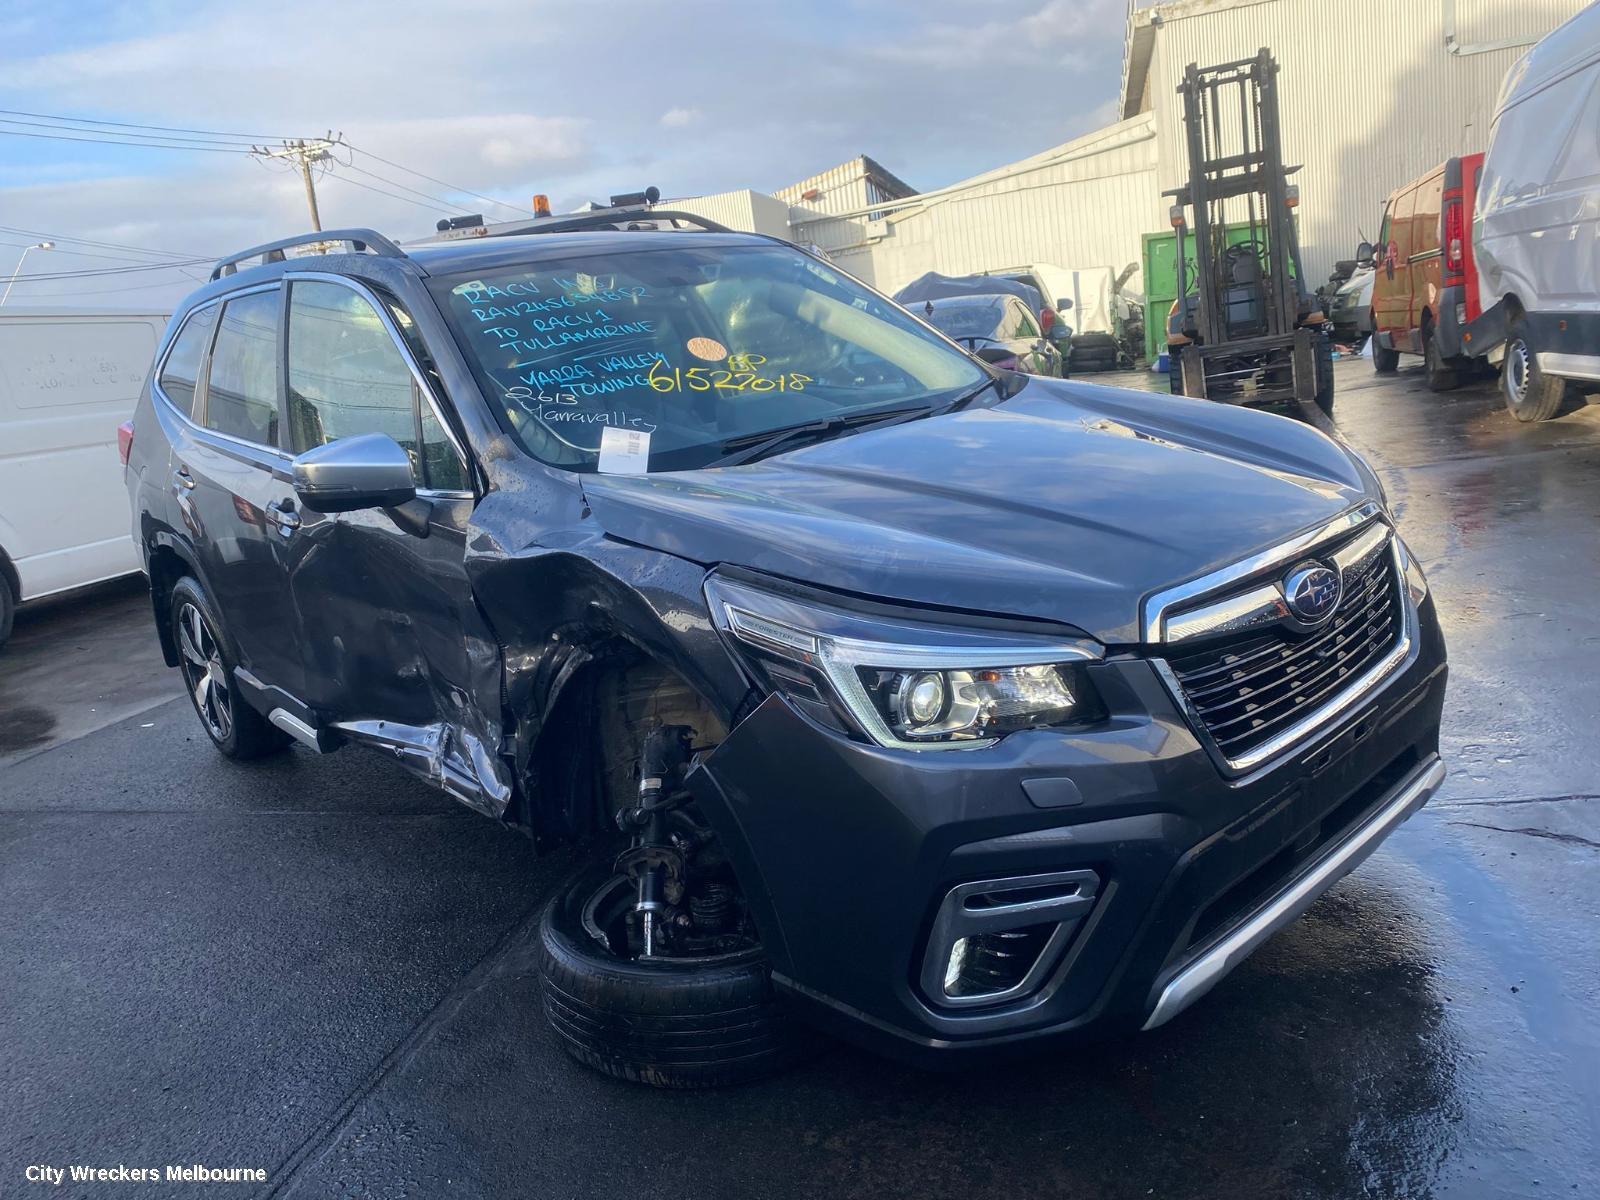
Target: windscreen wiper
751,446
996,382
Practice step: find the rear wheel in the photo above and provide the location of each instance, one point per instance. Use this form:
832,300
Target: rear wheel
1530,394
700,1019
1384,361
234,728
8,608
1442,375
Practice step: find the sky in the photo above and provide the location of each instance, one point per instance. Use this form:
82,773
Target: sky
576,100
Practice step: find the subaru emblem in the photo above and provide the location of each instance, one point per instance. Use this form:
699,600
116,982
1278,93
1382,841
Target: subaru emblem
1312,592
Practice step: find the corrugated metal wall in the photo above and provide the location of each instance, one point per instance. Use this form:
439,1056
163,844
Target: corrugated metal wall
744,209
1082,204
1370,95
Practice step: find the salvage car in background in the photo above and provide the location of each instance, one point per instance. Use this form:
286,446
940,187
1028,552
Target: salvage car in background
945,707
999,329
1425,285
1052,323
1538,236
1350,313
67,377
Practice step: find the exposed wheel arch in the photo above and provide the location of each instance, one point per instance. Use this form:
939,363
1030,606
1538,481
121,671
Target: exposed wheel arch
583,764
165,566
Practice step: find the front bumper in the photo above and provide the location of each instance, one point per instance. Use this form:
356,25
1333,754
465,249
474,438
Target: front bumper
849,851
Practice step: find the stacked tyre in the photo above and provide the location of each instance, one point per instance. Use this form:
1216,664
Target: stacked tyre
1093,352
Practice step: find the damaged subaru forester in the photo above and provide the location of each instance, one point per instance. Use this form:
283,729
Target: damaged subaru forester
881,691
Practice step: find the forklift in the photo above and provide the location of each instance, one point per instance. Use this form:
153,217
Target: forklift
1245,330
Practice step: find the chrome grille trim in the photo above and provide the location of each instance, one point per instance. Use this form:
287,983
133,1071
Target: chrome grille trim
1399,610
1163,602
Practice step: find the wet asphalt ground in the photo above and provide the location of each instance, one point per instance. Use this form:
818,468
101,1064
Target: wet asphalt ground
321,968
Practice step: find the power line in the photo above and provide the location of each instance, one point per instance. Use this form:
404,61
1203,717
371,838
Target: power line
62,237
433,208
80,253
249,137
55,137
95,272
396,183
133,139
440,182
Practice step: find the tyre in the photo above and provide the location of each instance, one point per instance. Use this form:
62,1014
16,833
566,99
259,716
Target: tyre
1442,376
234,728
1175,376
670,1023
1086,342
1530,394
1384,362
8,608
1324,353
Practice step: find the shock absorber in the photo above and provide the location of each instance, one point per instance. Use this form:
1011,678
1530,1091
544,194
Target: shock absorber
661,762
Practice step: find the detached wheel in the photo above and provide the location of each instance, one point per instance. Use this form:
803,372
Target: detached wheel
1530,394
697,1022
234,728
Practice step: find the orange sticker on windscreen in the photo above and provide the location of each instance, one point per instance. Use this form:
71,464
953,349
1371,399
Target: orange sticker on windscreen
708,349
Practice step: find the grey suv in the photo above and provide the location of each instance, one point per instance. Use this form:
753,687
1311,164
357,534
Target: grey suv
949,709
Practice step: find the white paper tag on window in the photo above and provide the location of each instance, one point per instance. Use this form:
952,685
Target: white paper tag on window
624,451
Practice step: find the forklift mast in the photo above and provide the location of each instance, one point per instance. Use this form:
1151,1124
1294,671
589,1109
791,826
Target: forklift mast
1231,126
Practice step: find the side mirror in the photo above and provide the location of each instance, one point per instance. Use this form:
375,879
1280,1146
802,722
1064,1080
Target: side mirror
1063,304
1364,255
366,471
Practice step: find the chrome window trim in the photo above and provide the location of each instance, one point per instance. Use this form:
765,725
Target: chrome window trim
1153,628
156,389
395,336
1355,693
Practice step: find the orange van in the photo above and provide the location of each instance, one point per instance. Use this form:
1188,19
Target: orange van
1426,287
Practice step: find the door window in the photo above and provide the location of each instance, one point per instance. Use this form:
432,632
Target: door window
347,377
1026,328
182,367
242,389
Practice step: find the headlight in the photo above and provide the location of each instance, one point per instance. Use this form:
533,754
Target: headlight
905,685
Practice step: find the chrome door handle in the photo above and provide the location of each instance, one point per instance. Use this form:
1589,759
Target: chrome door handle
182,479
282,515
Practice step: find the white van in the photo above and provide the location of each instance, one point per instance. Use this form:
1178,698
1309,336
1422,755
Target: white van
1537,232
68,378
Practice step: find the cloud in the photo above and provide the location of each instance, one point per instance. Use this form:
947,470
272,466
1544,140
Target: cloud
521,97
678,118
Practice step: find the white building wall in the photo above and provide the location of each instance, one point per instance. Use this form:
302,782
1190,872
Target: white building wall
754,212
1370,94
1082,204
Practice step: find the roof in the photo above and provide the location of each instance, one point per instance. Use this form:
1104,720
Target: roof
1139,43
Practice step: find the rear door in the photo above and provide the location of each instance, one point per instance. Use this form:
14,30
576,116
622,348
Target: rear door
385,613
234,488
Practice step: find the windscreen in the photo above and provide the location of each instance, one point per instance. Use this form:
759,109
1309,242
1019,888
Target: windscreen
966,319
688,345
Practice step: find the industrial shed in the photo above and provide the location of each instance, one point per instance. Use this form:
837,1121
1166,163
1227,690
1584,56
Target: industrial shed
1373,94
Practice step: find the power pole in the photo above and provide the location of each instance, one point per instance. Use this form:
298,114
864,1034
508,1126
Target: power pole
303,153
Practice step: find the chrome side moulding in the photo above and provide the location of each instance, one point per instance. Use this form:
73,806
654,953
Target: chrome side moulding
297,729
1201,975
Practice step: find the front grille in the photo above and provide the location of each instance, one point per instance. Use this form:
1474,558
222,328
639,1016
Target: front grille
1251,687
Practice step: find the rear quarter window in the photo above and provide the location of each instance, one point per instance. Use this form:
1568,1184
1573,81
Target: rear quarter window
182,368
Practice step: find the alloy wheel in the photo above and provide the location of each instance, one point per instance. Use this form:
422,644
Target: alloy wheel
204,672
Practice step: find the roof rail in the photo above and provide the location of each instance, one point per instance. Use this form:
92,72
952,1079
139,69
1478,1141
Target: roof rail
360,241
600,218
